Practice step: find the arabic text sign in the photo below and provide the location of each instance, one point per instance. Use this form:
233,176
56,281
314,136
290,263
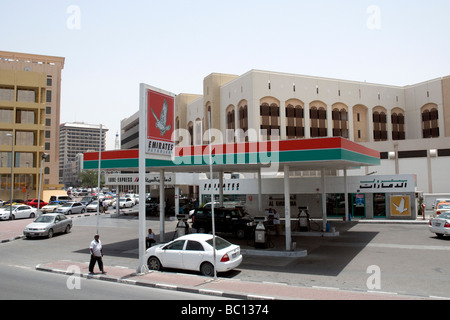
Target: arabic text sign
133,179
376,184
160,122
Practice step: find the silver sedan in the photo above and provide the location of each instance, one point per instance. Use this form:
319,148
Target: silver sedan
71,207
48,225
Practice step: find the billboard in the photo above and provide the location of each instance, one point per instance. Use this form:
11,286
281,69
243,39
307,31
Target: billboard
160,121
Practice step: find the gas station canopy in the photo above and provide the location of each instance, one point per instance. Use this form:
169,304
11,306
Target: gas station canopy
305,154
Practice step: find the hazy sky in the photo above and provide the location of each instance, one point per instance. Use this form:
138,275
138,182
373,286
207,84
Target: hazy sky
112,46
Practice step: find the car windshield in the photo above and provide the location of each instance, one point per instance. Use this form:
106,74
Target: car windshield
220,243
444,206
53,203
44,219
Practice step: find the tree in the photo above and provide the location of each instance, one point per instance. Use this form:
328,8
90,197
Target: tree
89,178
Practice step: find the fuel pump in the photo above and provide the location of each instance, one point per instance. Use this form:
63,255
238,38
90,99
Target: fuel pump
303,219
260,233
182,225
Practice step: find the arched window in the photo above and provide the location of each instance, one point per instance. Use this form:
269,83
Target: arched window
379,125
191,133
231,122
398,125
318,120
243,119
295,121
270,120
430,125
340,121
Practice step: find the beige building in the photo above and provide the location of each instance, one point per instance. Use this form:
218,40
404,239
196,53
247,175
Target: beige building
409,125
30,95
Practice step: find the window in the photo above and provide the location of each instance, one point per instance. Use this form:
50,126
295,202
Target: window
231,120
49,82
177,245
48,96
243,118
270,120
194,246
379,126
398,126
340,122
318,121
48,110
295,121
430,125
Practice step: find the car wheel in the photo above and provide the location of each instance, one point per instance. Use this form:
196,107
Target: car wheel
67,228
82,210
12,217
154,264
32,215
207,269
50,233
69,212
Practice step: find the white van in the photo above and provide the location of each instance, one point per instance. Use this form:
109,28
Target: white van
60,198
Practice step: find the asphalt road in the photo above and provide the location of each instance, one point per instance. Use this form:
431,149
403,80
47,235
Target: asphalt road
407,259
22,283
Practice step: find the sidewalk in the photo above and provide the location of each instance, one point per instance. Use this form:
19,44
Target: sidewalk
222,287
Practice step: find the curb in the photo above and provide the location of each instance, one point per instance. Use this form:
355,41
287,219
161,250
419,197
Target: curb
163,286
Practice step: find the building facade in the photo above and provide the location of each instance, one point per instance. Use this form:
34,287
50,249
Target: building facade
30,103
409,125
77,138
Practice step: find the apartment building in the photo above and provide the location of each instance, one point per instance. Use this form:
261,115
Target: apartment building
77,138
30,103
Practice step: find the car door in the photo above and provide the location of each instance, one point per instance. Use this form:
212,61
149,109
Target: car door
76,207
171,256
20,212
193,255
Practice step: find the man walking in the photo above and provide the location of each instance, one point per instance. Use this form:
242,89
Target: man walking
96,254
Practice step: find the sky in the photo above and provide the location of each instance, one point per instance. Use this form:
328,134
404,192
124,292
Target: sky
112,46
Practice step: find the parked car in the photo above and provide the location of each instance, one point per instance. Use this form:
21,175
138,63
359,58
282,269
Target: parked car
34,203
227,220
71,207
48,225
440,225
194,252
61,198
441,208
124,203
20,211
52,206
92,206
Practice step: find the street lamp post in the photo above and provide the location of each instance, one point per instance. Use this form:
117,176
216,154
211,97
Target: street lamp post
12,169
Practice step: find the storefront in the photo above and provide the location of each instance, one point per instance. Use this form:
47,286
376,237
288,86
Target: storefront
369,197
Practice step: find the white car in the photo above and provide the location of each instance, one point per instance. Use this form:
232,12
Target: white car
194,252
93,206
124,203
51,206
440,225
18,212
